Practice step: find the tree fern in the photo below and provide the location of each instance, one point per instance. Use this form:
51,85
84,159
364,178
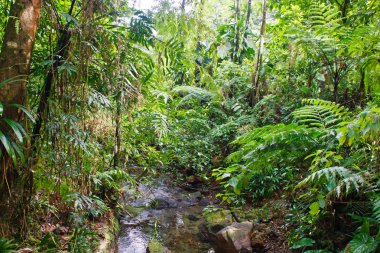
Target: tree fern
320,114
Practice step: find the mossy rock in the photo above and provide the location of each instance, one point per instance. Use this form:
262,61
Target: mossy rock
218,220
154,246
134,211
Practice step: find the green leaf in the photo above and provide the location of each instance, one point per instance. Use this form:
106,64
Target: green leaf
7,145
363,243
12,80
25,110
314,209
17,128
303,243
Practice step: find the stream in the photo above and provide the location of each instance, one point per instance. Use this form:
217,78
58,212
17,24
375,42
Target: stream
163,218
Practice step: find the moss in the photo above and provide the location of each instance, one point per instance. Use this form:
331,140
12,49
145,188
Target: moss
154,246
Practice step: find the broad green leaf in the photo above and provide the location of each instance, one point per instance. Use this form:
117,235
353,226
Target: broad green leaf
303,243
17,128
363,243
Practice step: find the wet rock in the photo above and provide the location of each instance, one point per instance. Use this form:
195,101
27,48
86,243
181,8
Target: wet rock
160,204
195,197
204,202
214,222
235,238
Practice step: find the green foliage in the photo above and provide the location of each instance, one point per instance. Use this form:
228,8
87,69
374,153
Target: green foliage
171,90
339,179
303,243
262,152
12,133
7,246
376,207
363,242
81,241
364,128
320,114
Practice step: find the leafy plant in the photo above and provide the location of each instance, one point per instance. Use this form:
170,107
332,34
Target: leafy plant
320,114
7,246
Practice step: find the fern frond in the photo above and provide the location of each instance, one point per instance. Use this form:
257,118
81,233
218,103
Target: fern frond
320,113
321,15
190,92
376,207
274,143
346,181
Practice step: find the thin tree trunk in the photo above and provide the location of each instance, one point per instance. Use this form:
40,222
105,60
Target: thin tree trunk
15,56
246,28
183,6
249,12
235,56
255,91
344,10
117,131
361,91
336,85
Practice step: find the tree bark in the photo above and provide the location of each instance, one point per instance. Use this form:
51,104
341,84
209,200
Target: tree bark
117,146
255,93
15,57
235,56
249,12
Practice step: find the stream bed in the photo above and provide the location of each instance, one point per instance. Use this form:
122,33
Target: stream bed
160,215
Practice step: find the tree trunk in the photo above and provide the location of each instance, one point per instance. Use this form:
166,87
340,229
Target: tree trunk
183,6
255,93
344,10
236,53
336,86
249,12
361,91
117,131
15,56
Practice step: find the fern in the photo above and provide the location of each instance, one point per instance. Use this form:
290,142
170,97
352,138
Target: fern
320,114
321,15
345,180
111,178
376,207
190,93
265,148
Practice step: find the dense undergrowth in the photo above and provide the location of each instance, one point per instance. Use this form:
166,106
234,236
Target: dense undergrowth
242,97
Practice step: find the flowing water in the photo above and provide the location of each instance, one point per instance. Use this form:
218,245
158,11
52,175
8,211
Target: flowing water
163,213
